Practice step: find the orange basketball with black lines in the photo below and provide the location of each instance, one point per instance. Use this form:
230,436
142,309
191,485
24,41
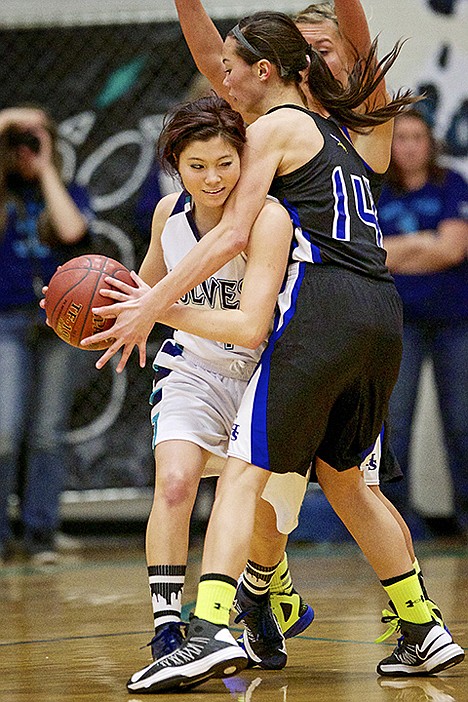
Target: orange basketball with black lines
72,293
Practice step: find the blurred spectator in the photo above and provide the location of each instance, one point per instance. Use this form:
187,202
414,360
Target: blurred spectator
42,221
423,211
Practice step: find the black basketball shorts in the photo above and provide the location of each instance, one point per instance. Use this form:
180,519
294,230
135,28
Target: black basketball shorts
324,381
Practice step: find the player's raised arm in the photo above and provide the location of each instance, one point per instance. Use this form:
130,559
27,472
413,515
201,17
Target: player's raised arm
374,146
354,28
203,40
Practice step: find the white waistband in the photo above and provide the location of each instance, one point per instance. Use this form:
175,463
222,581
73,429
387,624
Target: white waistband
231,368
238,368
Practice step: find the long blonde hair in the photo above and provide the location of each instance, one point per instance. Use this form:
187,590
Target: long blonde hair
317,13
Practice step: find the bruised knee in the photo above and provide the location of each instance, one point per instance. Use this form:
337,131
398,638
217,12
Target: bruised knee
176,487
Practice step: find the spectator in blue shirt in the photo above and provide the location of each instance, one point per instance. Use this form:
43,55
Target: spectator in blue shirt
423,214
41,222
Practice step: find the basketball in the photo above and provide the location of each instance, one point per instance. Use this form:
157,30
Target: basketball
72,293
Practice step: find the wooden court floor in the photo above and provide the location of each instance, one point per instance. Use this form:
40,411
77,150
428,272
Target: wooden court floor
73,632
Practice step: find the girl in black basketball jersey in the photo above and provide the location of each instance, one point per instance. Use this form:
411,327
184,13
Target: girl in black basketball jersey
333,357
339,32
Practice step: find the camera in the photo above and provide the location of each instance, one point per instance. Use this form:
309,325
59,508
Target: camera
16,137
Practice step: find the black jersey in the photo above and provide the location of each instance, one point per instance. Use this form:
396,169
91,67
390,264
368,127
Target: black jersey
331,203
376,180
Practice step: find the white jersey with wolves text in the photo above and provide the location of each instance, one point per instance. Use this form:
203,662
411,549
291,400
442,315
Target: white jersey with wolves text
221,291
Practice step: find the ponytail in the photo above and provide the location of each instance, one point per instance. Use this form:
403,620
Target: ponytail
366,75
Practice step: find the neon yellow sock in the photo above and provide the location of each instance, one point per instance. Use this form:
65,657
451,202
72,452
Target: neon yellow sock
281,583
418,570
408,598
214,601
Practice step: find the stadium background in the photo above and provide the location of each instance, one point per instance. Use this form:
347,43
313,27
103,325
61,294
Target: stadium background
107,72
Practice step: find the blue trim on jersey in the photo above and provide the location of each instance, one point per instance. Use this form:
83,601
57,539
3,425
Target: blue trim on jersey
316,256
154,422
345,131
155,397
293,213
180,204
258,432
184,204
190,218
172,348
289,314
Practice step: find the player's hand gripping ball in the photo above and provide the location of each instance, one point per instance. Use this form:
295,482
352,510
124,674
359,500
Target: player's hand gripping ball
72,293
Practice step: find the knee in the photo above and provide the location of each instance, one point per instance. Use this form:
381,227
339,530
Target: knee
338,484
242,478
176,487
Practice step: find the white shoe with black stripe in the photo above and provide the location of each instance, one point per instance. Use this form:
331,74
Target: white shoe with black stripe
208,651
423,649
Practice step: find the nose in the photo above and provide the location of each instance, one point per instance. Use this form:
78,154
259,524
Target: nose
212,176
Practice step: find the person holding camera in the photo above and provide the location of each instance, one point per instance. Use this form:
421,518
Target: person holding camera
41,221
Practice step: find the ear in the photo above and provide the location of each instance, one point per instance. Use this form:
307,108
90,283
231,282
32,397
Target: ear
264,69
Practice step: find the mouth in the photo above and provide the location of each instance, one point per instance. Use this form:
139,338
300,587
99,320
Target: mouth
214,192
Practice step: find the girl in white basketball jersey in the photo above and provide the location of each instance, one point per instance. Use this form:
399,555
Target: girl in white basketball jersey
199,383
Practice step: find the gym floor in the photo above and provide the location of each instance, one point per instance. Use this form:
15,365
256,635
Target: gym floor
76,631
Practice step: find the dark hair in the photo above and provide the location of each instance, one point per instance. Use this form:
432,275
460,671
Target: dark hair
435,173
198,120
274,36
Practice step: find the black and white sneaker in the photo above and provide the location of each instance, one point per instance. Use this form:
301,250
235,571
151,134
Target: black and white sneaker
209,651
262,639
423,649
